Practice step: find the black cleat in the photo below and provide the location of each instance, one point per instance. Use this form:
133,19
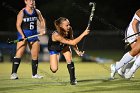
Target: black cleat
73,82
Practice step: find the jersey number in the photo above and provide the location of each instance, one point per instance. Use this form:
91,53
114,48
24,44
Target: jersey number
31,25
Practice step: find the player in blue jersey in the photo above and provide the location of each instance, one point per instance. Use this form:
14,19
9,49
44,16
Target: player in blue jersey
60,41
27,26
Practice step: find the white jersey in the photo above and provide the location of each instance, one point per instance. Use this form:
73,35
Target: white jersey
130,30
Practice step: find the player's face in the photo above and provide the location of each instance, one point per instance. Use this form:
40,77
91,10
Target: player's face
65,25
30,3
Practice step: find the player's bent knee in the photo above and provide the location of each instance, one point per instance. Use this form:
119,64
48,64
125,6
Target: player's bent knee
53,69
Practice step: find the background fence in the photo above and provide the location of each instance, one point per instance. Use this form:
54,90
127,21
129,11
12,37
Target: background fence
96,40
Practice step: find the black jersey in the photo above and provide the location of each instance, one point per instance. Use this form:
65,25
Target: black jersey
29,20
56,45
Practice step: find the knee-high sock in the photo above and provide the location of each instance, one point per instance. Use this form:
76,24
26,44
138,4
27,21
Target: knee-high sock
34,67
127,66
71,70
133,59
136,65
15,65
125,59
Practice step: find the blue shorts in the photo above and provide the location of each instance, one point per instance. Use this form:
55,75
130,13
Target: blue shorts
28,33
53,52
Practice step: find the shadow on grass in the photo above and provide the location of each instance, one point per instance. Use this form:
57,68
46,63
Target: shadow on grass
99,85
29,86
92,80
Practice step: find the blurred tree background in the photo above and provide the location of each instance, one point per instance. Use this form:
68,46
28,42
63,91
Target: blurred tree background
110,20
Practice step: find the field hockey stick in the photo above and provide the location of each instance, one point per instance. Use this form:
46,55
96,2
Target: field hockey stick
128,44
131,35
91,14
15,41
90,20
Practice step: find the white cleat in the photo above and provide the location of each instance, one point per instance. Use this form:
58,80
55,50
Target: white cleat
128,75
127,70
113,71
14,76
37,76
120,73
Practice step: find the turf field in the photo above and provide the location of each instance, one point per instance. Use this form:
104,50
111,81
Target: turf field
91,77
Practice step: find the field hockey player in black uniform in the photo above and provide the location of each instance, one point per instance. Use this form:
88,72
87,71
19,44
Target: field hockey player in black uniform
60,41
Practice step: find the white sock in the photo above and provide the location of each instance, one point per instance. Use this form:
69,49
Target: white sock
136,65
133,59
125,59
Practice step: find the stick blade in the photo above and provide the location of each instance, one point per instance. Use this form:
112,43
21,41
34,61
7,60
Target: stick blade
14,41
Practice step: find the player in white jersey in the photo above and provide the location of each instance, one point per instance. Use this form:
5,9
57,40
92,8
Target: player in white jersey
132,42
133,28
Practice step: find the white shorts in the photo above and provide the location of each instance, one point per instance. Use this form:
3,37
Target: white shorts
129,33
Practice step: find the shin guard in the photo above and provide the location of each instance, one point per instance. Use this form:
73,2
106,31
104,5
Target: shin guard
15,65
71,70
34,67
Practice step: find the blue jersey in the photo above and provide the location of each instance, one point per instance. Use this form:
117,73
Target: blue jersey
29,25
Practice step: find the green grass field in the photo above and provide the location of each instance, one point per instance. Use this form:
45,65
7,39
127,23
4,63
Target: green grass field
91,77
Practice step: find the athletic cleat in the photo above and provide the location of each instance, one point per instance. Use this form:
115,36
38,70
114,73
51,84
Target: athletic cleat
128,75
120,73
73,82
14,76
37,76
113,71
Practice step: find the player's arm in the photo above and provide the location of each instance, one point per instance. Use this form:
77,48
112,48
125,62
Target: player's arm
42,22
75,47
57,37
19,22
135,22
